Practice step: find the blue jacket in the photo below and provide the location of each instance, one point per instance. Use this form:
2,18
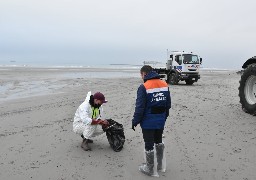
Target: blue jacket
153,103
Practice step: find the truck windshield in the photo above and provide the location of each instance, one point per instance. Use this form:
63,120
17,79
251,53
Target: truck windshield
190,59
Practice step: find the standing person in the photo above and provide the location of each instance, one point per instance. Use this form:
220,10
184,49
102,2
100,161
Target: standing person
152,109
88,118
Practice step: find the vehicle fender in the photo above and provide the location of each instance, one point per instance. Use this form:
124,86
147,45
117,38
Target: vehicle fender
249,61
170,72
174,71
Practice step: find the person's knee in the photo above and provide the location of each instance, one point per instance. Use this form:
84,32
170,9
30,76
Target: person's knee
158,141
77,130
158,136
149,146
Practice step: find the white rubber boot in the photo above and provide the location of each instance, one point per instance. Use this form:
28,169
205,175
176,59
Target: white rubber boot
148,167
160,157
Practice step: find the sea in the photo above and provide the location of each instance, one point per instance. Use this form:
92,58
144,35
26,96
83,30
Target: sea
93,71
107,70
20,88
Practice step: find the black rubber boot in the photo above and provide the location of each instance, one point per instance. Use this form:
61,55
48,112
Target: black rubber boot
85,145
89,140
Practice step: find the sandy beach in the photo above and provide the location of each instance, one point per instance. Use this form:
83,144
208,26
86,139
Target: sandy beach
207,135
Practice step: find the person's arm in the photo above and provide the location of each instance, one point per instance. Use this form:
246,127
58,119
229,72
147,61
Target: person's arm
168,103
140,105
99,121
102,114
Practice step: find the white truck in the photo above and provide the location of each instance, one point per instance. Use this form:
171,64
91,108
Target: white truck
247,88
180,66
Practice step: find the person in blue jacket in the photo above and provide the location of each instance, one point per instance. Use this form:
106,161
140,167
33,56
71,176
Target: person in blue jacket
152,109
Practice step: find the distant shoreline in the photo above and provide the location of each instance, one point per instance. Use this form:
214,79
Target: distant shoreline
108,66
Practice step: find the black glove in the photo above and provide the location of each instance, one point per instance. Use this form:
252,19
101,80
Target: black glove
133,127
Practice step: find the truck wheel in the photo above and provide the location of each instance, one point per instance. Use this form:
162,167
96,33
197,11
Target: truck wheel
247,89
173,79
189,81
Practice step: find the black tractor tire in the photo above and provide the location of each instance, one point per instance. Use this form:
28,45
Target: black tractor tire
189,81
247,89
173,79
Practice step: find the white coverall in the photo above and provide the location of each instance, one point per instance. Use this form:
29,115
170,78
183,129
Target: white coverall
83,119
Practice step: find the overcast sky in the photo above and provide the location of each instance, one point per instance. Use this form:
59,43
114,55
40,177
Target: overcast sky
222,32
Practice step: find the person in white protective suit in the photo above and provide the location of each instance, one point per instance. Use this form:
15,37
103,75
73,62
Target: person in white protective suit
88,120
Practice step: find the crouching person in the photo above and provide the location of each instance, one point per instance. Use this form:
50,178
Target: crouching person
88,120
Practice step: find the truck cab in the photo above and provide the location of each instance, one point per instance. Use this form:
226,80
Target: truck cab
190,63
185,66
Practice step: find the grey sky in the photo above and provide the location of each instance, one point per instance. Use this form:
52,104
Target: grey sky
222,32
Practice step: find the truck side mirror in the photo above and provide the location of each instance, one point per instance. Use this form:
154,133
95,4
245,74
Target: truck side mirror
201,60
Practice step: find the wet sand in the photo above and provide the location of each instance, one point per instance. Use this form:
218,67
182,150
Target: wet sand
207,135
